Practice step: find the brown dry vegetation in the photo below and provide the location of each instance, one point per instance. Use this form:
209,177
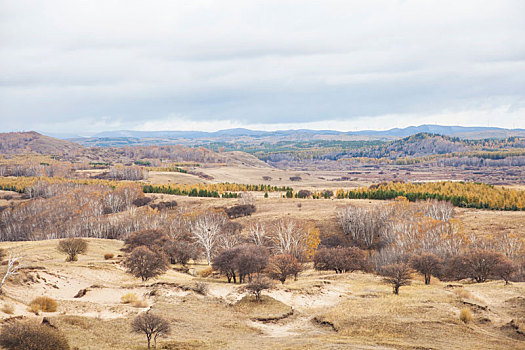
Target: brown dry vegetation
321,310
329,311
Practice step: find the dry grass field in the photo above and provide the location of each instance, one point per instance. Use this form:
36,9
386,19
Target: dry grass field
330,311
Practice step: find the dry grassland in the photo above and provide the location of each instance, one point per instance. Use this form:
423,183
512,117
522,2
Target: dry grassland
329,311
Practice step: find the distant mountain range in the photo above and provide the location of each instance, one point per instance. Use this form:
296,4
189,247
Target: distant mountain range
396,132
133,137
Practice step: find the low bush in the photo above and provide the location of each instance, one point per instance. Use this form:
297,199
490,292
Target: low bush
45,304
463,293
141,303
257,285
200,288
141,201
465,315
32,336
303,194
72,247
129,298
108,256
206,272
8,309
240,210
164,205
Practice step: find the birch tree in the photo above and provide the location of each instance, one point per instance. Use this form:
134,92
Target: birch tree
206,230
13,265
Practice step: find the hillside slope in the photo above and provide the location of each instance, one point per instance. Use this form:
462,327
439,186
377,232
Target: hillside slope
33,142
422,144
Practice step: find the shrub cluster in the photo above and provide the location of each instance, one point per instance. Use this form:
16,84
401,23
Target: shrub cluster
241,261
281,266
72,247
20,335
340,259
240,210
45,304
151,250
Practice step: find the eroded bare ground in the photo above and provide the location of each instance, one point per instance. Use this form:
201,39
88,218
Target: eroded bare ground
329,311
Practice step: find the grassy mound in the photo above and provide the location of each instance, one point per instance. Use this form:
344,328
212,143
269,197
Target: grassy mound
268,309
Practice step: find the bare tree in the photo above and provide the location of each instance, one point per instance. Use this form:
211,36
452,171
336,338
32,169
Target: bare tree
206,230
13,265
340,259
225,263
257,285
505,269
365,226
127,173
397,275
145,264
438,210
427,264
241,261
257,233
72,247
289,237
478,265
511,244
180,251
152,326
250,260
230,235
283,265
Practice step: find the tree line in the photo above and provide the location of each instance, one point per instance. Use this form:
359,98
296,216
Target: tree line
461,194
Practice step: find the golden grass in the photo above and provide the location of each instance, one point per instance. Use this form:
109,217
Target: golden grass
465,315
206,272
129,298
45,304
8,308
140,303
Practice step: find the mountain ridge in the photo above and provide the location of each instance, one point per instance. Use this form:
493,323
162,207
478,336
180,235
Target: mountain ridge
453,130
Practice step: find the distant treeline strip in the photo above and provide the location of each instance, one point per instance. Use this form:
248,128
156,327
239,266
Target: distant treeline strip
19,184
227,190
461,194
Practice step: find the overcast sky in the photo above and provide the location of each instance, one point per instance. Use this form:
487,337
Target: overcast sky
87,66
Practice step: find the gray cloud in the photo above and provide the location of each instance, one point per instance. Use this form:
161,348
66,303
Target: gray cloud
85,66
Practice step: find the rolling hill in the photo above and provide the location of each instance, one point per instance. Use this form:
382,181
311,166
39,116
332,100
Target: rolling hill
33,142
